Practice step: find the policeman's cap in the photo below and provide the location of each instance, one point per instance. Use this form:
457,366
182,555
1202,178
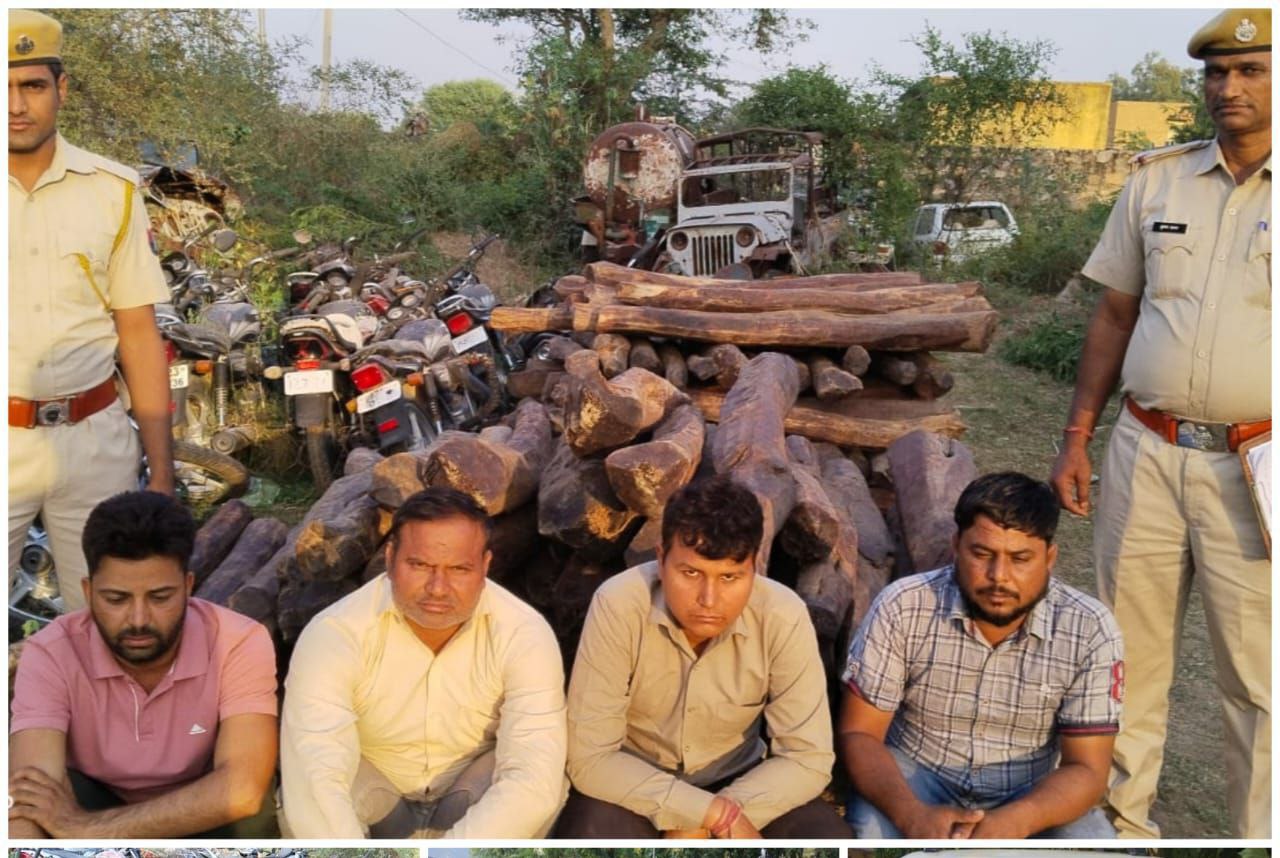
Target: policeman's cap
1234,31
34,38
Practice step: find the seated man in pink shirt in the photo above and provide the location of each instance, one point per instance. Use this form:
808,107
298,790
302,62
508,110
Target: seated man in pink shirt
149,713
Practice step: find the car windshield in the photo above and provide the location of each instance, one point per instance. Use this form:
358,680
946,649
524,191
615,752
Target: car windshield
747,186
976,217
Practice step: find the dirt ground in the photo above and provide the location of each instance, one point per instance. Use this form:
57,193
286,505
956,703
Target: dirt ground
500,269
1015,416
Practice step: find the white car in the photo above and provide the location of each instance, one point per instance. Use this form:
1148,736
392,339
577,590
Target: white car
955,231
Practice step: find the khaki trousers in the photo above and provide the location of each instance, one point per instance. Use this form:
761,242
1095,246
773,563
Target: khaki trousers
1168,519
62,473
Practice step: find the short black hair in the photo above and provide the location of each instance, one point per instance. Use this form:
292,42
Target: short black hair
138,525
56,67
1012,500
717,517
436,504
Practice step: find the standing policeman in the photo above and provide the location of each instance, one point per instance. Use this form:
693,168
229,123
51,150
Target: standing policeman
1185,325
82,282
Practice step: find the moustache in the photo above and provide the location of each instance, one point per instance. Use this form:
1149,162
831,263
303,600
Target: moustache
996,591
139,631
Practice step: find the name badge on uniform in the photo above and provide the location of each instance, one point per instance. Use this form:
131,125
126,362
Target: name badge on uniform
1164,226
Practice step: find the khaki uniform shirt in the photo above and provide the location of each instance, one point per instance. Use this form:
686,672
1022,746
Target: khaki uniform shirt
362,684
651,724
62,339
1197,248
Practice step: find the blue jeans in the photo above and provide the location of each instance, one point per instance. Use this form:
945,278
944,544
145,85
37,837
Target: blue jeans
870,824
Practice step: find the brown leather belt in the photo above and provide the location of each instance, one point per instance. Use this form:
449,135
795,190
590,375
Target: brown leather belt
1197,434
30,413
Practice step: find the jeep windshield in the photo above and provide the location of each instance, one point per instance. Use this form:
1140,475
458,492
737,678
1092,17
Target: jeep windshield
712,188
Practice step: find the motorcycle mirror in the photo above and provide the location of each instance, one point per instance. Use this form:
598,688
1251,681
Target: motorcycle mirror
225,239
302,236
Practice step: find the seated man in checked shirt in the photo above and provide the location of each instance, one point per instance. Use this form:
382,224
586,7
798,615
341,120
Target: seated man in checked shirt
430,702
983,698
685,665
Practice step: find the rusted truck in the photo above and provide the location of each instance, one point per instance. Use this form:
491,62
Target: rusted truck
743,204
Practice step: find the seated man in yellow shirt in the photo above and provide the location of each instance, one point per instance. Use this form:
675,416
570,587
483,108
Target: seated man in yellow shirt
682,662
430,702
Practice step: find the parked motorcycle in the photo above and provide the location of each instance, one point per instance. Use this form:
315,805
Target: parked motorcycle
34,597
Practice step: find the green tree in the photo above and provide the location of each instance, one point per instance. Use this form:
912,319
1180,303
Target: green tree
806,99
485,104
1154,78
972,106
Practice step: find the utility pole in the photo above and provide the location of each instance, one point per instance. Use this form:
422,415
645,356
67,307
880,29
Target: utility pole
325,57
262,29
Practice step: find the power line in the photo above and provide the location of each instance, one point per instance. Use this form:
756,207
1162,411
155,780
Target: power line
455,49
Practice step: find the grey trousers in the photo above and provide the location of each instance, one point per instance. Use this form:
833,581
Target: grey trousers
395,816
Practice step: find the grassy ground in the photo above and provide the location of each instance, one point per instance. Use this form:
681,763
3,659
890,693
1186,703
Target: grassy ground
1015,416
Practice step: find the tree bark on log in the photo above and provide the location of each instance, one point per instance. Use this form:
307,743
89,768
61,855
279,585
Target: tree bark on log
532,320
397,477
847,489
674,368
499,476
929,473
966,332
934,379
644,356
750,444
577,506
558,348
895,368
754,299
256,545
828,594
514,541
217,536
830,381
722,362
614,351
645,476
817,423
856,360
300,601
610,274
337,546
812,530
257,597
602,415
361,459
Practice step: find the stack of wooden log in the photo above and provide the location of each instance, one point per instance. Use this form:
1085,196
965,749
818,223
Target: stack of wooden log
855,487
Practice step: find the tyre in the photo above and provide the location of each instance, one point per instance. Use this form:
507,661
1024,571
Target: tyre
322,455
207,477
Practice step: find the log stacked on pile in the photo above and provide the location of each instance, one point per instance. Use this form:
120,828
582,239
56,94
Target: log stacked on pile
609,426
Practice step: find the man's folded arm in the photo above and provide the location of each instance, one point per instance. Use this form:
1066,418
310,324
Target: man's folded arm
598,701
244,759
528,780
800,736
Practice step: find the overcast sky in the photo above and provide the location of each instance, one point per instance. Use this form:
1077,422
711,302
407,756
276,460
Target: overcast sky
436,45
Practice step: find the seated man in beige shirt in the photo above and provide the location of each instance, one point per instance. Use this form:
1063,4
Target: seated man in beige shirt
430,702
682,662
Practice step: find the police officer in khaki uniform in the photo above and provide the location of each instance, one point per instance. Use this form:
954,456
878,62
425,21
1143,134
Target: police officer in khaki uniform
82,281
1185,325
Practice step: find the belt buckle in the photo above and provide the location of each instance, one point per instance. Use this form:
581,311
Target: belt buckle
53,413
1206,437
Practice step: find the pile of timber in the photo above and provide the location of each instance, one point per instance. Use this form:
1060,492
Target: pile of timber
855,487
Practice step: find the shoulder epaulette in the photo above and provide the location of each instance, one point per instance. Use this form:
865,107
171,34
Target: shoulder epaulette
115,168
1151,155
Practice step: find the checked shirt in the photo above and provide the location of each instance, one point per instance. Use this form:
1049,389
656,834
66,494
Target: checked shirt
986,719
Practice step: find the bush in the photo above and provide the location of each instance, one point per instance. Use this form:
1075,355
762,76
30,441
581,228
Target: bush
1050,345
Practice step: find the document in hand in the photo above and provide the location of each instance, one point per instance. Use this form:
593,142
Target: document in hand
1255,455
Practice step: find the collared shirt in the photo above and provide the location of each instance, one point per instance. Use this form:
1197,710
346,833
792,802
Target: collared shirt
62,340
362,684
985,718
138,743
651,723
1197,247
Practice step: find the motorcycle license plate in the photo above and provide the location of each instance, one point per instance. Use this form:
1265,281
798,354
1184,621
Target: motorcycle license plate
179,376
308,381
469,340
382,395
